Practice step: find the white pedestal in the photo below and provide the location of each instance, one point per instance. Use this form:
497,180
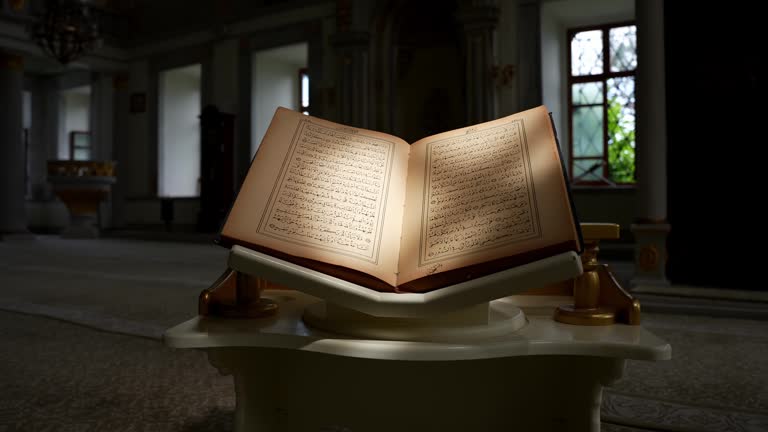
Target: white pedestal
290,377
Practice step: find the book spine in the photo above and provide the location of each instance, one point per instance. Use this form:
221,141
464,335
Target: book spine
568,187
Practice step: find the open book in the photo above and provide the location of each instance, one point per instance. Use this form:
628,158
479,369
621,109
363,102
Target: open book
369,208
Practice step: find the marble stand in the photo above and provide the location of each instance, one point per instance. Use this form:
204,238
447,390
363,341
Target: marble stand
289,376
82,186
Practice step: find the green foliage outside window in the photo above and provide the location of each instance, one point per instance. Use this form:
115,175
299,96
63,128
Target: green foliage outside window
621,144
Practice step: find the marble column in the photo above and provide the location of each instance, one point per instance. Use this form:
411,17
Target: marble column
122,145
352,48
102,132
13,219
651,227
528,71
479,19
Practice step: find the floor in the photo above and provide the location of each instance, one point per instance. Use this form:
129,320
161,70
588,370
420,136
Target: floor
80,350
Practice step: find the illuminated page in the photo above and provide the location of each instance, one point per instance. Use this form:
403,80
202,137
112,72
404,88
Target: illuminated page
483,193
326,192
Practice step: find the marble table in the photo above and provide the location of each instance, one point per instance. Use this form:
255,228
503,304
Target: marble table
289,376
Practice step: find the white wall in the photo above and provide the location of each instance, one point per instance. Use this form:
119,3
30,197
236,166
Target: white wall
553,76
179,137
275,83
74,115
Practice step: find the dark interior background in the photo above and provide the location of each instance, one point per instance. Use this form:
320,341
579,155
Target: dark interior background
716,96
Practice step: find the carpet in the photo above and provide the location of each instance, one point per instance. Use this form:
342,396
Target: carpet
63,377
716,381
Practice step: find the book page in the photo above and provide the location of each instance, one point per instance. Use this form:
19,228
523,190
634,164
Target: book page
483,193
325,192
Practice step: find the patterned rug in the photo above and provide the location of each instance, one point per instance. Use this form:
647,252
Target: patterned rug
717,379
62,377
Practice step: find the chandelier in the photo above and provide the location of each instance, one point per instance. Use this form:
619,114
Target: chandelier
65,30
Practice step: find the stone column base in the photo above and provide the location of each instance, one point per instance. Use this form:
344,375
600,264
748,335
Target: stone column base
650,255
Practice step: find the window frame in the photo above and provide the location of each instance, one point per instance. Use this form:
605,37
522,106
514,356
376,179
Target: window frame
305,109
72,144
602,78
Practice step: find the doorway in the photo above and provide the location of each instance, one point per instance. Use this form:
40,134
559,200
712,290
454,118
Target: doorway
179,132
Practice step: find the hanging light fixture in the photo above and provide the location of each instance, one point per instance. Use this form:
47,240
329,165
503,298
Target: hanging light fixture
65,30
